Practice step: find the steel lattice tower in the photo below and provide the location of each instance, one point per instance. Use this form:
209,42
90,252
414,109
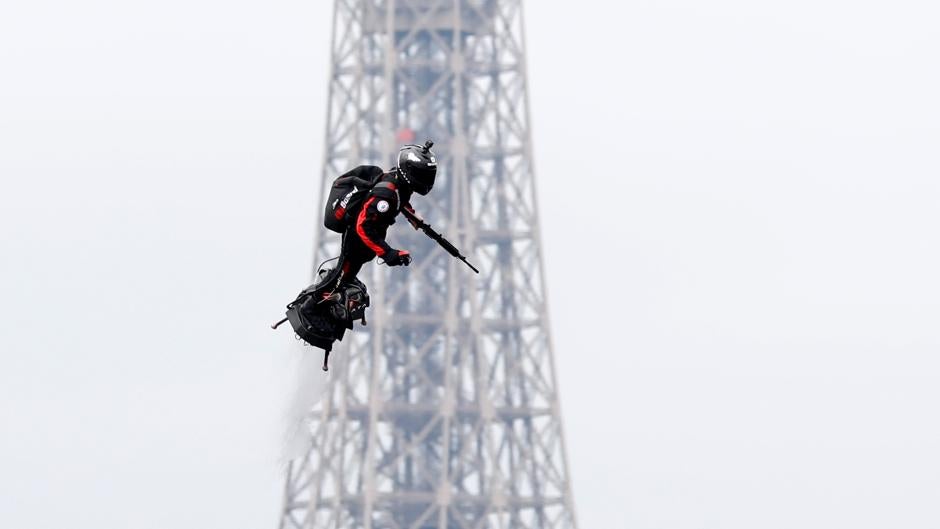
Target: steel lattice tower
442,412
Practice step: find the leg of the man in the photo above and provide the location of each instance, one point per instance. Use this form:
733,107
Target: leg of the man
355,254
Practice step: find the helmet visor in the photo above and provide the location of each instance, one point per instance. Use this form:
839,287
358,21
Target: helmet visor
422,178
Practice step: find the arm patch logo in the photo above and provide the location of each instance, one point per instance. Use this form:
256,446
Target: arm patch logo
382,206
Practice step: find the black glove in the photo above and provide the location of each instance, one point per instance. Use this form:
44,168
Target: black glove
397,258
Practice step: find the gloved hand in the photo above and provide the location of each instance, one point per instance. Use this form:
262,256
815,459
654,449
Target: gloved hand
397,258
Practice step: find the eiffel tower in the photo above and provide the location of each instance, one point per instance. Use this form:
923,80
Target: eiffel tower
443,412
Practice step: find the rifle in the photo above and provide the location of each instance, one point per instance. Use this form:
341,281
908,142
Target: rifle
436,237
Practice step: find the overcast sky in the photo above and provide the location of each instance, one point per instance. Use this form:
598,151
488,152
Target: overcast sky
763,187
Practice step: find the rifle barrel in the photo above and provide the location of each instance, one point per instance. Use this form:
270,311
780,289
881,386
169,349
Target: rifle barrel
438,238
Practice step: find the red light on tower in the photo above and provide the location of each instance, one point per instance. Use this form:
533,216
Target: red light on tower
405,135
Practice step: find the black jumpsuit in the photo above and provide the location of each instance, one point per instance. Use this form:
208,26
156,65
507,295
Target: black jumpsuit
365,236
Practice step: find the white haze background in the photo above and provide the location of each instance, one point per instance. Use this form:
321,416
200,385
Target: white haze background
748,191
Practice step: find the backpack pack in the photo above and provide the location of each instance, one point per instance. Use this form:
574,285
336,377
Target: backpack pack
346,193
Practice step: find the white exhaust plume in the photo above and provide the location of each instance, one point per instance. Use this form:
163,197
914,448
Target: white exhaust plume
309,388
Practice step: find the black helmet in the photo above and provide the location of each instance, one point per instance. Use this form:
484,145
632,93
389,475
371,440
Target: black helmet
417,166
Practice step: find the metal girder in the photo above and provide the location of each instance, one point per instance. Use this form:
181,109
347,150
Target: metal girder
443,412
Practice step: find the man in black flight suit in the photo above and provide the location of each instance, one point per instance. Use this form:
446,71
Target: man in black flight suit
369,220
